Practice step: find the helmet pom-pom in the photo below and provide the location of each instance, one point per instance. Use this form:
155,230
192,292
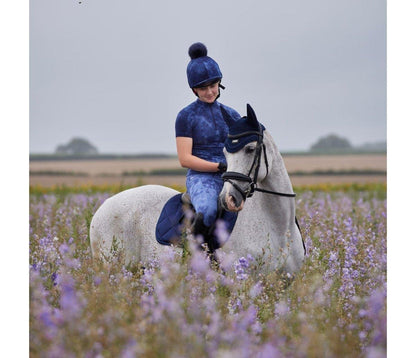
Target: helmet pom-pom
197,49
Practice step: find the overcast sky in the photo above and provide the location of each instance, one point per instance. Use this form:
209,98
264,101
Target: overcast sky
114,72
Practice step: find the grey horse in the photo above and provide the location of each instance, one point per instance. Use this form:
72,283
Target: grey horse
256,185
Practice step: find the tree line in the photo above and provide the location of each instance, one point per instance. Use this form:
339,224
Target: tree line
331,144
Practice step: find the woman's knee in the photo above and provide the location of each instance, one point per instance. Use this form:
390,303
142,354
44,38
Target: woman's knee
208,207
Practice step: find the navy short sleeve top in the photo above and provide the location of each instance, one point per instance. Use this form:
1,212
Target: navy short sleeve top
204,123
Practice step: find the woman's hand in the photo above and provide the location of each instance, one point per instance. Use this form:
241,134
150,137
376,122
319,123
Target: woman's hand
222,167
187,160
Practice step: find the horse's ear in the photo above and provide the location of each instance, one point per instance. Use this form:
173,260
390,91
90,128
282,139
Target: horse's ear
227,118
251,116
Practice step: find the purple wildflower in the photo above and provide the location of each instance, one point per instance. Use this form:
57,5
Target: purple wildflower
221,232
200,262
256,289
268,351
240,268
54,277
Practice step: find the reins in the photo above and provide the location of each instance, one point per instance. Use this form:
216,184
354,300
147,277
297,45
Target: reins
260,148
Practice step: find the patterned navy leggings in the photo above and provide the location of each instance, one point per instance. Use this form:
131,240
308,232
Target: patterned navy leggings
204,189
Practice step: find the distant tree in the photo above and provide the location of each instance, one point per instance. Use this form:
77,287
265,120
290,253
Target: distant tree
331,142
380,146
77,146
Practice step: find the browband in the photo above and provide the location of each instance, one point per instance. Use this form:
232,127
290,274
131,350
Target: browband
244,134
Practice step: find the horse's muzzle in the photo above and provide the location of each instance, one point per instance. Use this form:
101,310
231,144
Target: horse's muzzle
231,200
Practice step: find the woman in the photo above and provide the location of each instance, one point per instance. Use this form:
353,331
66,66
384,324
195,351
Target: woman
200,135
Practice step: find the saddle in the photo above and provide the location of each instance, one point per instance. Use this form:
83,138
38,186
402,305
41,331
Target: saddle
170,225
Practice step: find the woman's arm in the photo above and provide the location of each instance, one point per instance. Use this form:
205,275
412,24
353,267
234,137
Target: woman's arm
187,160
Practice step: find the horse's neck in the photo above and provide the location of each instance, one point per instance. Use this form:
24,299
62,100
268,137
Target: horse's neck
280,209
277,178
268,220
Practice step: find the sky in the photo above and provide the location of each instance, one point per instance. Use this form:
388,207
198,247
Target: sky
114,72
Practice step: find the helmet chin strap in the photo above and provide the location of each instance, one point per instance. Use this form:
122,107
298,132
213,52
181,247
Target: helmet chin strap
220,86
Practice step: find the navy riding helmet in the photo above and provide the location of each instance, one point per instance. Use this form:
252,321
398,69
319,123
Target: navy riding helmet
202,70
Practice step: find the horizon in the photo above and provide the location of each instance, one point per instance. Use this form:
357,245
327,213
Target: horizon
308,150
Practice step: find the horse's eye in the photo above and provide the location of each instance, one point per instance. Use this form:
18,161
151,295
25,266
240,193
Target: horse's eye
249,149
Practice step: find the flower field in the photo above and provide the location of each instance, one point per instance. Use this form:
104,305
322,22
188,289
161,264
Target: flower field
184,307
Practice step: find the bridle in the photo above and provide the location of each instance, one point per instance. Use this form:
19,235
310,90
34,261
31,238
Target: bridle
252,182
252,187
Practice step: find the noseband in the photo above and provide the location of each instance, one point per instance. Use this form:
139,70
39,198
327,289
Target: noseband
252,182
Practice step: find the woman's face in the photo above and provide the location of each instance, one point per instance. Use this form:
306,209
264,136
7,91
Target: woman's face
208,93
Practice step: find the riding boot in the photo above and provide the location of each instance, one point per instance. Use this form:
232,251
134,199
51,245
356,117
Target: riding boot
199,228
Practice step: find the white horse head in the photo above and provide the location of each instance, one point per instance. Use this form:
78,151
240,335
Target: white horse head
243,151
256,166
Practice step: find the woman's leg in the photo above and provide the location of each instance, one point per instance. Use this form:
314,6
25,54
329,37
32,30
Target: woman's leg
204,190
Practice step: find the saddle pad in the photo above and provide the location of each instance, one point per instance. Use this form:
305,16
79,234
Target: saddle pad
169,225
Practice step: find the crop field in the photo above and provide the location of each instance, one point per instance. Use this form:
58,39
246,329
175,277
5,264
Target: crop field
303,170
184,307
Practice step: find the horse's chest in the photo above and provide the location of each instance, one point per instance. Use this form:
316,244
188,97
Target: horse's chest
253,227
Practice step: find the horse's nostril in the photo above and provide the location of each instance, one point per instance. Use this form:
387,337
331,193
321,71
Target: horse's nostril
233,199
235,202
